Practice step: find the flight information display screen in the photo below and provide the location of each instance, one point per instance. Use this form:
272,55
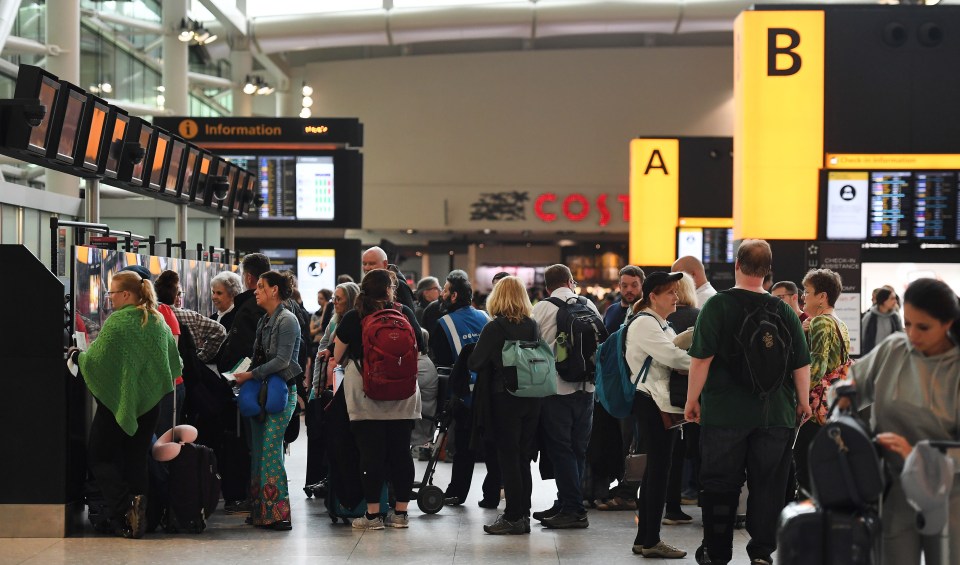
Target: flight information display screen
278,187
315,188
934,206
889,207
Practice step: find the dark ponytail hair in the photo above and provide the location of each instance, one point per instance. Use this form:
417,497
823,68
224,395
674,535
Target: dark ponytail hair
937,300
374,292
283,283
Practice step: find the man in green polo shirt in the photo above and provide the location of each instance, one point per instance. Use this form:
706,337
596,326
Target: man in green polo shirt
743,436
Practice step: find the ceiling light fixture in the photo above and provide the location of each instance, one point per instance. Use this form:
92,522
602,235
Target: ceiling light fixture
186,34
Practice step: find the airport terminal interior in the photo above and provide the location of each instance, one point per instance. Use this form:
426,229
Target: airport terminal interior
486,136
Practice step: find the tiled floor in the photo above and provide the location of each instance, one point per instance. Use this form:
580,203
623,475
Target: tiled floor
454,535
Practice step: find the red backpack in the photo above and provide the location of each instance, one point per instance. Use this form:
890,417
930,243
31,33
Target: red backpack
389,355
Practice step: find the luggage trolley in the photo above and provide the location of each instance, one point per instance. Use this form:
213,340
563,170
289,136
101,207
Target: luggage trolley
430,497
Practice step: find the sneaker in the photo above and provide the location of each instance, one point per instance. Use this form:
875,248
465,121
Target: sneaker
566,520
663,550
395,520
452,501
502,526
526,524
676,517
136,518
364,523
617,503
237,507
761,561
484,503
552,511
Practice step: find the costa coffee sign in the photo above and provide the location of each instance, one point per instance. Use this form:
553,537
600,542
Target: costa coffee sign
549,206
577,207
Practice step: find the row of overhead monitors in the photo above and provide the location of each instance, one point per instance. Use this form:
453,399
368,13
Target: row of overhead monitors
58,125
888,206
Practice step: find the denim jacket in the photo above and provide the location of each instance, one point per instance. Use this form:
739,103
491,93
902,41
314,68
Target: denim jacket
279,335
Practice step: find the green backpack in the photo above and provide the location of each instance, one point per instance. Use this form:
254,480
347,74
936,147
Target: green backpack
529,367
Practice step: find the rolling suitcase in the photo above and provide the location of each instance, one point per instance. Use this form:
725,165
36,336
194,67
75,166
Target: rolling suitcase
807,535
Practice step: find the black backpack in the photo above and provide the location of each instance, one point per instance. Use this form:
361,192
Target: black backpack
580,331
765,344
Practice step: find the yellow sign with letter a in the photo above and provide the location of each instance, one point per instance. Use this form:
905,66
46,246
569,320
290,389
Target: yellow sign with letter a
654,201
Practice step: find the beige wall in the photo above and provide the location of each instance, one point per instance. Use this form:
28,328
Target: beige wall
453,126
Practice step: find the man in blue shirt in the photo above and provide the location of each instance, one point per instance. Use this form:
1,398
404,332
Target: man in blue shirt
631,283
459,326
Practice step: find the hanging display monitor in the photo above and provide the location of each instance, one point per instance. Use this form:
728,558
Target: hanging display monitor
96,146
143,138
935,206
316,270
889,216
314,188
115,145
718,245
690,242
184,192
66,124
175,168
158,159
33,83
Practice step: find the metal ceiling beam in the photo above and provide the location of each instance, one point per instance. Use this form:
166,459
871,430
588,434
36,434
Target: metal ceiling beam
227,14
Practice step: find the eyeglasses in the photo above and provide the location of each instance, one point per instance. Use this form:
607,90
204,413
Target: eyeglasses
338,299
575,283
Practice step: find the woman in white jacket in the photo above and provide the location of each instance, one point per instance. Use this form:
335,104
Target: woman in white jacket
651,354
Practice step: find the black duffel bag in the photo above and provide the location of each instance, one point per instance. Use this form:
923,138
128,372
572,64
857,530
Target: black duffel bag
844,464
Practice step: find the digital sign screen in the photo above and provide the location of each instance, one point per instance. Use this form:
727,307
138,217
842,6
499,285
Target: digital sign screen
889,206
98,123
316,270
189,168
315,188
718,245
159,157
934,206
116,145
278,181
847,203
146,132
70,126
47,96
173,171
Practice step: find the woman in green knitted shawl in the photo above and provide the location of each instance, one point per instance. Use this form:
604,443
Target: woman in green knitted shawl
128,369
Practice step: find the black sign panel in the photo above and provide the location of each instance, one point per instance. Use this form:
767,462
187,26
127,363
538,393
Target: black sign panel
262,132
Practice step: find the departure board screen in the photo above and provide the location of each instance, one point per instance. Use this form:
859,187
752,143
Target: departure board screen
278,187
934,205
315,188
718,245
889,205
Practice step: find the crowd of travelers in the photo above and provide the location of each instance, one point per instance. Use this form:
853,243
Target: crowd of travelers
527,389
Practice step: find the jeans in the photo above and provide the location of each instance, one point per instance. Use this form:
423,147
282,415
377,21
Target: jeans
566,420
165,419
653,491
759,456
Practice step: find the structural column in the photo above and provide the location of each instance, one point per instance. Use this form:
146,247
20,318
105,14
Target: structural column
241,65
175,58
63,30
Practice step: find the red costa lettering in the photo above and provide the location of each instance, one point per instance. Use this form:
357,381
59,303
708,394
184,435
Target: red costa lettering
624,200
538,206
604,211
584,207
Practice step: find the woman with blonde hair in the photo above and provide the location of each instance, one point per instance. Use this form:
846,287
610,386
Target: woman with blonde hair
511,421
128,370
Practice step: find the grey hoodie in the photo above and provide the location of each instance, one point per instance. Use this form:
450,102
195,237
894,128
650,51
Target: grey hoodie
876,326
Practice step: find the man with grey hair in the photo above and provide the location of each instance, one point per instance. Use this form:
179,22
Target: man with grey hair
428,290
694,267
376,258
223,289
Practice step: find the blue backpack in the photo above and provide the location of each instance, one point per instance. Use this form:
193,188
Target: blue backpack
615,388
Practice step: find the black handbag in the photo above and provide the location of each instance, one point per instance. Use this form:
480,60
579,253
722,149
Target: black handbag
845,467
678,389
